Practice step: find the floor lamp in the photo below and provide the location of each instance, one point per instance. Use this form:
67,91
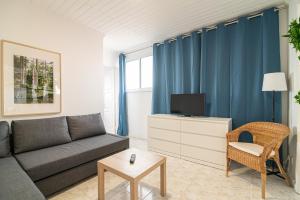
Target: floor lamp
274,82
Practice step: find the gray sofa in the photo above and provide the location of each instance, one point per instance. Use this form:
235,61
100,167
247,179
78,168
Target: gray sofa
15,184
58,152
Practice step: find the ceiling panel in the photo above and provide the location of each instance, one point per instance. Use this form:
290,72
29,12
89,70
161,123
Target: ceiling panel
131,24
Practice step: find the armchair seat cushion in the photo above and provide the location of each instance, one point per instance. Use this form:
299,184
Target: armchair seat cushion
251,148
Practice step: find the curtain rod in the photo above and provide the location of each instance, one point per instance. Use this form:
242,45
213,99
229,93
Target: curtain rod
213,27
250,17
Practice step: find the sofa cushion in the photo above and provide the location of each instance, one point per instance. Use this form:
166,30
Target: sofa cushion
35,134
49,161
251,148
4,139
15,184
84,126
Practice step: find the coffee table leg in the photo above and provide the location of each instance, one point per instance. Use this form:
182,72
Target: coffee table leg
163,181
101,190
133,190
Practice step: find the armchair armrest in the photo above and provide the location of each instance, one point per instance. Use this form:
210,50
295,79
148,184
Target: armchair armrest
233,136
268,148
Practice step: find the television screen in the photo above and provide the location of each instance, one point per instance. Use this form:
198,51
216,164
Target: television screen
188,104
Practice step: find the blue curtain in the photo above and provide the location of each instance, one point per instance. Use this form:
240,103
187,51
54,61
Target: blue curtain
176,70
123,126
227,64
215,71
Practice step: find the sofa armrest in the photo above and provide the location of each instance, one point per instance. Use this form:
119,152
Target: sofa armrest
4,139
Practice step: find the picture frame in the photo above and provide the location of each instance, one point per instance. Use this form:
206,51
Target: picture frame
30,80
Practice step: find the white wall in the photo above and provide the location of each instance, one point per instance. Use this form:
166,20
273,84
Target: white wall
294,111
284,47
110,57
109,100
138,102
110,61
283,28
138,107
81,49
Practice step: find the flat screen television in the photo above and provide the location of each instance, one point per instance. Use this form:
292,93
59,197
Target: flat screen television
188,104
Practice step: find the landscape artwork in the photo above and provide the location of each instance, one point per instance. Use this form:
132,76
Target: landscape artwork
33,80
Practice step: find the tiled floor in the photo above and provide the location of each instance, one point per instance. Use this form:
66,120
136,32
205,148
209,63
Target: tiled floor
185,181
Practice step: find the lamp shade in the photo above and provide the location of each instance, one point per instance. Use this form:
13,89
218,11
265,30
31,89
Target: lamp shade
274,82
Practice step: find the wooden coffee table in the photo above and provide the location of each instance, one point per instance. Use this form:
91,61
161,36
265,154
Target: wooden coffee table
118,164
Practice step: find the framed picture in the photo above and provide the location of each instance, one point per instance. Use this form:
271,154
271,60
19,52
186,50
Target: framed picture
31,80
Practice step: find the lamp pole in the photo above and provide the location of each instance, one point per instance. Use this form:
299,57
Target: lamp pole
274,82
273,106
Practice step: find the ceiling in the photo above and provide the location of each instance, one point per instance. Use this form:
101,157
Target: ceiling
132,24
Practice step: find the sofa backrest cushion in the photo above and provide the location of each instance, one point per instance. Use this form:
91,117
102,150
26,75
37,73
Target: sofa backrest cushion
36,134
4,139
84,126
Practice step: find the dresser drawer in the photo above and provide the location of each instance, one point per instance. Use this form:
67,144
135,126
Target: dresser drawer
162,134
208,128
164,146
169,124
209,142
203,154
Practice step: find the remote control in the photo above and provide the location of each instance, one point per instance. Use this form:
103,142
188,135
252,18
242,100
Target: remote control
132,158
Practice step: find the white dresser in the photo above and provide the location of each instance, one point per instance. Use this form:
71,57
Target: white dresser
197,139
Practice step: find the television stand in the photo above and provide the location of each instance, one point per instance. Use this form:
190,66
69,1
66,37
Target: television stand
197,139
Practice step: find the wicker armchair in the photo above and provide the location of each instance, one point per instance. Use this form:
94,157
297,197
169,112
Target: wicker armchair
267,139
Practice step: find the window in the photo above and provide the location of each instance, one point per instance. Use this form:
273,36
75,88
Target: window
133,75
146,72
139,73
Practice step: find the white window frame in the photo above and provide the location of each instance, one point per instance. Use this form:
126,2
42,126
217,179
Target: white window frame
138,55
